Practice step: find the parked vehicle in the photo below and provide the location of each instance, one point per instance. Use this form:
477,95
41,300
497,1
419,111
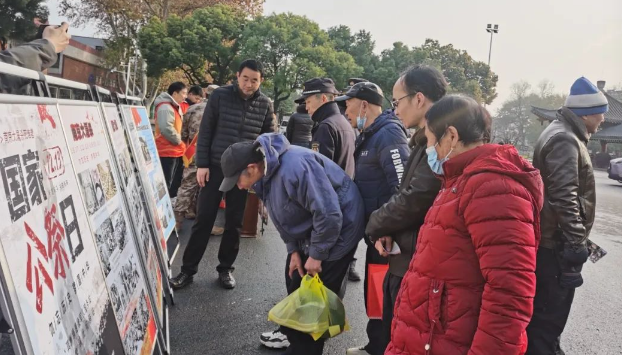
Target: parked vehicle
615,169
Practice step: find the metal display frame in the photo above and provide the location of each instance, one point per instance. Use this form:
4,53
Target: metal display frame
20,338
115,173
9,302
163,329
173,239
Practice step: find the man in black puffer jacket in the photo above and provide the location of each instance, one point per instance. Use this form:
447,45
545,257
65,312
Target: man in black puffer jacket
299,127
235,113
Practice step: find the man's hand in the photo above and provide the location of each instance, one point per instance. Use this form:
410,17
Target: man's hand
58,36
313,266
295,263
263,211
202,176
383,245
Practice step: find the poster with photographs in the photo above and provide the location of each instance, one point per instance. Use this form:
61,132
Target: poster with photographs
146,155
48,245
137,212
98,183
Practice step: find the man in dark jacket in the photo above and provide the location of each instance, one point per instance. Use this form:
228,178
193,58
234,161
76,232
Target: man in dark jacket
400,218
332,136
313,204
568,214
36,55
299,127
234,113
380,154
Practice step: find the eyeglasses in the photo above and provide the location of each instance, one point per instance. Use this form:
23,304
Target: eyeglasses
394,103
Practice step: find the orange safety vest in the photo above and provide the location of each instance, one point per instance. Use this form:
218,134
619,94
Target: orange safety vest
166,149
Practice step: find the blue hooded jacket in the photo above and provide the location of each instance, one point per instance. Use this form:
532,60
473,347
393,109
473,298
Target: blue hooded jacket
314,205
381,154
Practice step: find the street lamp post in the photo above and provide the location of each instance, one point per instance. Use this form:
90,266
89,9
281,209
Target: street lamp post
492,30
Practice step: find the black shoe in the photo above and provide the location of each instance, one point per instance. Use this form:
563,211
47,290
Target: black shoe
180,281
352,274
226,279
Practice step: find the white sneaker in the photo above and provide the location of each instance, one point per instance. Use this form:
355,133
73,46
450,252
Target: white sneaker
357,351
274,340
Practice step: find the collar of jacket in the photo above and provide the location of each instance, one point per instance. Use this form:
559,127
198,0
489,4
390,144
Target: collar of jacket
455,166
418,139
576,122
325,111
236,89
385,118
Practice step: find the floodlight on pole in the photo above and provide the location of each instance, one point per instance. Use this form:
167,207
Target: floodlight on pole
492,29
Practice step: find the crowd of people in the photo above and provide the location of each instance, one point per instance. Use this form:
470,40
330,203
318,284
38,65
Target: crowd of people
484,249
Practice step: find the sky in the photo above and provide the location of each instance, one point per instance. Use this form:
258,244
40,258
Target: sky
558,40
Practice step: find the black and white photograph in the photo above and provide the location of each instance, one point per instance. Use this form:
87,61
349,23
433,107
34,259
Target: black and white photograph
106,244
124,166
119,225
90,198
145,150
135,335
160,186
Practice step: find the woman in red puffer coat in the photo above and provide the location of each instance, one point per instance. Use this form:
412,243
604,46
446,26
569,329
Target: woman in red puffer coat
470,286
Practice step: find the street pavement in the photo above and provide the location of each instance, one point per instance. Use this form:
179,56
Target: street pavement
212,321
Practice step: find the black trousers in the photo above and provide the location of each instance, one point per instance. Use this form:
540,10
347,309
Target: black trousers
177,177
551,306
391,287
169,168
207,209
332,275
375,333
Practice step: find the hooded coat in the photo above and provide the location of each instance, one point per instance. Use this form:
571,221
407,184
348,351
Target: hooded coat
470,287
314,205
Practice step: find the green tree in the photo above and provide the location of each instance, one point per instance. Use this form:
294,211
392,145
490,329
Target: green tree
17,18
463,73
359,45
293,49
204,43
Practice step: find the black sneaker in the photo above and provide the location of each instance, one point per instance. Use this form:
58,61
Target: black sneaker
180,281
274,340
226,279
352,274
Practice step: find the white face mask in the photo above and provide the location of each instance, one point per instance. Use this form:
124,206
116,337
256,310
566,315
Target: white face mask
360,121
435,164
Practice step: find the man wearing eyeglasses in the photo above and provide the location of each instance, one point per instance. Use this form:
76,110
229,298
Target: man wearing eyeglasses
399,219
381,151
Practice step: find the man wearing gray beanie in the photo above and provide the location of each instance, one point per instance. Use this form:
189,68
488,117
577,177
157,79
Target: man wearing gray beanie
568,214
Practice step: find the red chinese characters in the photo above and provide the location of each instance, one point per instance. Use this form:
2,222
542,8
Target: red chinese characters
55,252
45,115
56,233
80,131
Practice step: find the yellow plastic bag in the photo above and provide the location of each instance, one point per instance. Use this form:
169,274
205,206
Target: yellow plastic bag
311,309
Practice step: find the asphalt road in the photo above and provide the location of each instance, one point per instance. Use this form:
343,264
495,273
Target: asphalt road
210,320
